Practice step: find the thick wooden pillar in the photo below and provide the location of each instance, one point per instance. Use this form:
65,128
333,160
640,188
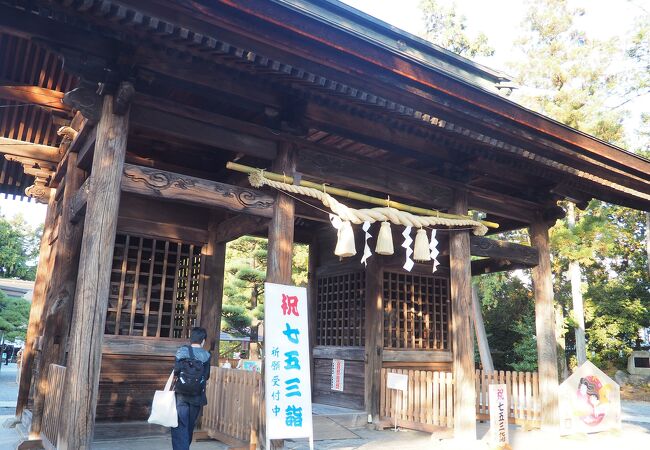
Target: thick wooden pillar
280,248
374,334
36,312
461,327
312,297
545,326
214,254
59,298
93,281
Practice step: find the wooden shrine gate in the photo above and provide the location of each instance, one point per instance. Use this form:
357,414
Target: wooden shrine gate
232,413
428,403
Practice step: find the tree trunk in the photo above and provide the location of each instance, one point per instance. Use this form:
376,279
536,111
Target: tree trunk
576,295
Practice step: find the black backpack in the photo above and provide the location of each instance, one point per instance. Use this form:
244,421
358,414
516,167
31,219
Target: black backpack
190,379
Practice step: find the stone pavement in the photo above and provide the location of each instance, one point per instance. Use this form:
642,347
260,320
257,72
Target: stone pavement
636,430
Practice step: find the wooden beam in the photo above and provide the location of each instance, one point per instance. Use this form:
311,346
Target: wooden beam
60,293
545,327
24,149
494,248
93,282
214,257
493,265
374,338
202,132
169,186
461,327
240,225
79,202
86,150
34,326
46,98
324,165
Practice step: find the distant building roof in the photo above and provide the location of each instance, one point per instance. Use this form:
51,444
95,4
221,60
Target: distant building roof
17,288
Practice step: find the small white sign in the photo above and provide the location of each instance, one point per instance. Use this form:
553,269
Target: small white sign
499,411
338,374
397,381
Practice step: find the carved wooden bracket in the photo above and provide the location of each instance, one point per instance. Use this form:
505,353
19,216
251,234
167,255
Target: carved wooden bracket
42,173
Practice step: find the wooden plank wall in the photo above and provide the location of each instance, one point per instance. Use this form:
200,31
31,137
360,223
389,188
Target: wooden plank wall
133,368
353,388
52,407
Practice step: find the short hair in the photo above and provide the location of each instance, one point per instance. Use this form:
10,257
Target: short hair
198,335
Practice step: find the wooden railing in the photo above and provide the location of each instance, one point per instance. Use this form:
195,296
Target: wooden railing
428,404
523,395
232,413
52,407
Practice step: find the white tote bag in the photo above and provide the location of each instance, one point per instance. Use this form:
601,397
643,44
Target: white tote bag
163,408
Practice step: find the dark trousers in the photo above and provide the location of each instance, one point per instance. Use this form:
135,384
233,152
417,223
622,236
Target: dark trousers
182,434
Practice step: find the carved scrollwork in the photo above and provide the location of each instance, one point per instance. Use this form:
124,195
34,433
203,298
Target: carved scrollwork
251,200
38,192
245,197
159,181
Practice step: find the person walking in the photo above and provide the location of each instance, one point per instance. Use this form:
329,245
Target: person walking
192,370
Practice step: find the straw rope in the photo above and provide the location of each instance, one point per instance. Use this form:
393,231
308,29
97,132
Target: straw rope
358,216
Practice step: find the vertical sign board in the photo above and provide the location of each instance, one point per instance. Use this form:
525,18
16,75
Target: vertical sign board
338,374
286,373
400,383
499,412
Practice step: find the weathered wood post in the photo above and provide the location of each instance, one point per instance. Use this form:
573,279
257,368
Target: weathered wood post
93,281
215,263
280,248
36,312
461,327
374,336
545,326
59,298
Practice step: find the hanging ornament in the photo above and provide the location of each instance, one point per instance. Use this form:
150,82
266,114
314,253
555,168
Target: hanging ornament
345,244
433,246
408,264
422,252
384,240
366,249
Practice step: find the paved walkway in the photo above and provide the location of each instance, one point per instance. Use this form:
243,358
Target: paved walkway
635,431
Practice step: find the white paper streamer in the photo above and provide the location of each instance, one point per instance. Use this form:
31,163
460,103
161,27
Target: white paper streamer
408,265
367,253
433,246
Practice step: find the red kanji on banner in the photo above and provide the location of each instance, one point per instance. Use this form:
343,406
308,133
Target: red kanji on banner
289,305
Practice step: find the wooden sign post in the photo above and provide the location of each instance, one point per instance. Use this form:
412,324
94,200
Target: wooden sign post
398,382
499,411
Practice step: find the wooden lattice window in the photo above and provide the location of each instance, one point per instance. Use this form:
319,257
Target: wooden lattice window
155,287
416,311
341,310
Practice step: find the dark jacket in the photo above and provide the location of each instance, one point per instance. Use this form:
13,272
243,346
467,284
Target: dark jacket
203,356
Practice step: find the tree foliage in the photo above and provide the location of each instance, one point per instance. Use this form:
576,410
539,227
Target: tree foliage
243,303
18,248
14,317
446,27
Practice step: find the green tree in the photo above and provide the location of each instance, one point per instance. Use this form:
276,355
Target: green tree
18,248
14,316
445,27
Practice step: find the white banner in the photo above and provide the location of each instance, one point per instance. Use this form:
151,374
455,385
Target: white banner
499,411
338,374
286,372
